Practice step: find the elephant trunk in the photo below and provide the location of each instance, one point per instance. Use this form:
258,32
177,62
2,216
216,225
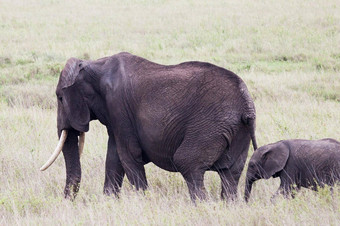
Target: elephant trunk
72,161
249,185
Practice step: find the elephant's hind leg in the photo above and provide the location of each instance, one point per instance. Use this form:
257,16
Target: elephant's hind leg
230,173
230,178
192,159
114,171
130,155
195,183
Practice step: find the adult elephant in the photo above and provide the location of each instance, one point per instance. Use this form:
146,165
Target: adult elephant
186,118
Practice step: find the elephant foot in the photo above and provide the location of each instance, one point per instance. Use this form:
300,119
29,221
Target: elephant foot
71,191
111,191
112,185
139,184
137,178
198,195
195,185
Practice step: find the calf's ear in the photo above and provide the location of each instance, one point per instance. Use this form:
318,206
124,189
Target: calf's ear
274,159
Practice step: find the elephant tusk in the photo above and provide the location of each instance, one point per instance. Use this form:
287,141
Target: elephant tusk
56,152
81,143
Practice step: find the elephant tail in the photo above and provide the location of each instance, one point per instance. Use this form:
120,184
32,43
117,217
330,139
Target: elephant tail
249,121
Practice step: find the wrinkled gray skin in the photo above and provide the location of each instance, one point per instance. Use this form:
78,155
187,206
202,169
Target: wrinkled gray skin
186,118
298,163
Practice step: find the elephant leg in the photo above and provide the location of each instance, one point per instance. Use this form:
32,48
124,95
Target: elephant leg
231,170
285,189
193,175
130,155
195,183
193,158
136,175
114,171
332,192
230,177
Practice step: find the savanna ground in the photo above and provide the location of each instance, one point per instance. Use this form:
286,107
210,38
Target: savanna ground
287,52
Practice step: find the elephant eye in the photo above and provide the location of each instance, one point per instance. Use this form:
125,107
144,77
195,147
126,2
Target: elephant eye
251,165
60,99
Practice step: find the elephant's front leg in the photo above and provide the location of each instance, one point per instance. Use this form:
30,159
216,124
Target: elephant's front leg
114,171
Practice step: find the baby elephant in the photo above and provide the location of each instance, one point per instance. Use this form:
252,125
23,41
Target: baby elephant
303,163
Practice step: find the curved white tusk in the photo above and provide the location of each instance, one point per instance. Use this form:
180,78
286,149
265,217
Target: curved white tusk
81,143
57,151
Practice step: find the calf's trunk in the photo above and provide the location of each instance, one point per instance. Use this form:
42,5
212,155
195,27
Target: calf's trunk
249,185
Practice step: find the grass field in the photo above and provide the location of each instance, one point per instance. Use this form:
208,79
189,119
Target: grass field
286,51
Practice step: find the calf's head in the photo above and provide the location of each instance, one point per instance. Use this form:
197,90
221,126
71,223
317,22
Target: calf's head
265,162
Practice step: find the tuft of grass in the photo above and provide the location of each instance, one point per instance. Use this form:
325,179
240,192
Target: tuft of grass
325,86
29,94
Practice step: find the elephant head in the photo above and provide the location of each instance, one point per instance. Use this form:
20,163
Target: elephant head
72,121
266,161
80,93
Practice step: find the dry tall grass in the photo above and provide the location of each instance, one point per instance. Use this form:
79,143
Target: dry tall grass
287,52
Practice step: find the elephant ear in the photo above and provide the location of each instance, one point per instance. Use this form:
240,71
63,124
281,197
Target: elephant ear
76,108
73,101
274,159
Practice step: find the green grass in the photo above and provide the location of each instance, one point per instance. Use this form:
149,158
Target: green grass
287,52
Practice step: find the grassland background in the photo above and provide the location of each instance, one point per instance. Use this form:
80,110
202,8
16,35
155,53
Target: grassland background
287,52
